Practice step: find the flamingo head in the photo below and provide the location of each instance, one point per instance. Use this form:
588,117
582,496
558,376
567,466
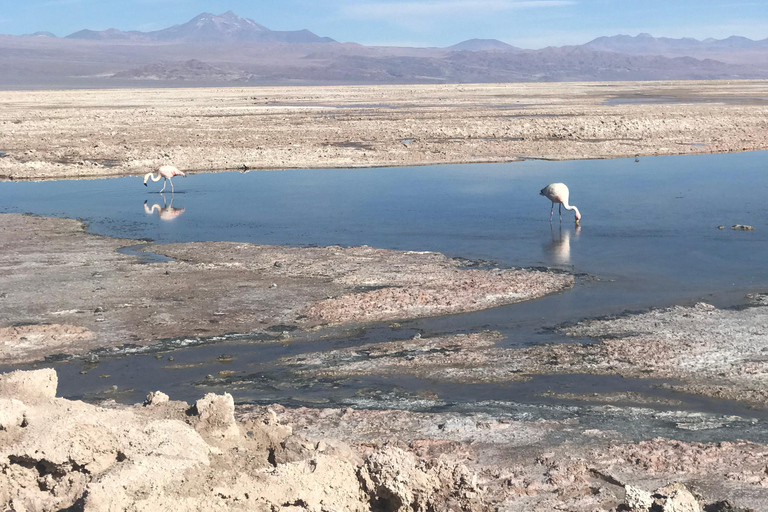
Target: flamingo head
578,216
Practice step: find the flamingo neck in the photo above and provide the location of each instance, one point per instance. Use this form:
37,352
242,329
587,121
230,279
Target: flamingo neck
149,175
571,207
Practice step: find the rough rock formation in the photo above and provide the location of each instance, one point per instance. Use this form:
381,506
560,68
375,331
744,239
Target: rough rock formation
58,454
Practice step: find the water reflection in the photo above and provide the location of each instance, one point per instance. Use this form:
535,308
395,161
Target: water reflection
165,212
560,247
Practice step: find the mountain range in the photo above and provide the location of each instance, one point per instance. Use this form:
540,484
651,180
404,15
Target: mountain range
208,28
228,49
647,44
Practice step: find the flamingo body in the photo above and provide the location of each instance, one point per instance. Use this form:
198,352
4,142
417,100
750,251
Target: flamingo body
558,193
167,172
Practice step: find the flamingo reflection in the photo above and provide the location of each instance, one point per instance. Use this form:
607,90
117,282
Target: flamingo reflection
560,247
165,212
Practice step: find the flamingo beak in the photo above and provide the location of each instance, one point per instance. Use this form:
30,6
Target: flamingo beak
145,184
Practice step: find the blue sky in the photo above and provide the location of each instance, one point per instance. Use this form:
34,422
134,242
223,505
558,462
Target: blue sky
523,23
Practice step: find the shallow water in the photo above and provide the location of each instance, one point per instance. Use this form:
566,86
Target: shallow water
650,226
649,237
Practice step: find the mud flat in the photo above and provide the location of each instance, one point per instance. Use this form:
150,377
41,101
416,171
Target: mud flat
56,454
67,292
707,351
68,134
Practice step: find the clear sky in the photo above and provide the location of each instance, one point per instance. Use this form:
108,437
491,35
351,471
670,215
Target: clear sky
523,23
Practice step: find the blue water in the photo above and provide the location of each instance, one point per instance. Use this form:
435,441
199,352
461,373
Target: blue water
649,227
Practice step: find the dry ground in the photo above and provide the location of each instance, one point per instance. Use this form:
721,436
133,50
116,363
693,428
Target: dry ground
66,134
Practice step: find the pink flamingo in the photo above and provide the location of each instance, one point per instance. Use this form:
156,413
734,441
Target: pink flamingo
558,193
167,172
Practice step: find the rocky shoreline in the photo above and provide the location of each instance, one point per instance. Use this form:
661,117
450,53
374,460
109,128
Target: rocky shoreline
57,454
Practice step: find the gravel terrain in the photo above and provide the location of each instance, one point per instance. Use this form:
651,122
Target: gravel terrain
92,133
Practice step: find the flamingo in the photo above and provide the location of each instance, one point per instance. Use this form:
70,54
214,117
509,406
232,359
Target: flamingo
558,193
167,172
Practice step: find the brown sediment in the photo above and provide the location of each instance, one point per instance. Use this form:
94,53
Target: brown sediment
66,291
99,133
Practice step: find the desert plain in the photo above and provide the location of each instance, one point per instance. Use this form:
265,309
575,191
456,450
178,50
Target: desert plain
70,294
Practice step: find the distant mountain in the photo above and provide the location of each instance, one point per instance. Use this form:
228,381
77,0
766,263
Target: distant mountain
40,34
646,44
483,45
201,53
111,34
208,28
735,43
577,63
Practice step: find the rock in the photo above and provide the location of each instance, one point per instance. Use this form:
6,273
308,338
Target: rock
66,446
29,386
725,506
12,413
217,415
294,449
672,498
389,477
742,227
676,498
637,499
156,398
397,481
155,461
270,418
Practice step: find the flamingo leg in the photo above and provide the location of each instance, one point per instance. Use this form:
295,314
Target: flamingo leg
551,212
560,211
171,185
165,182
